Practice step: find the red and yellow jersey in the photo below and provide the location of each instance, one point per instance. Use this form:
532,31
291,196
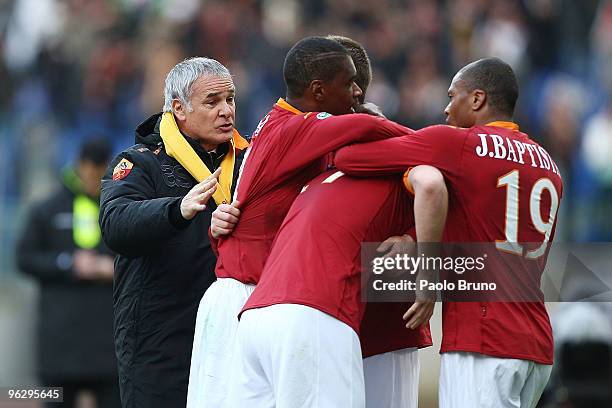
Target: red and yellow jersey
289,148
504,189
316,257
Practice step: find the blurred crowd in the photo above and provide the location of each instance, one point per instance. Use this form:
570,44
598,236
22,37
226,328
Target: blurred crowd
73,69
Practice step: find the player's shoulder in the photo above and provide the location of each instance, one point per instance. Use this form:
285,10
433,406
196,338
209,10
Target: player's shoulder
312,117
281,117
445,130
306,122
325,120
443,134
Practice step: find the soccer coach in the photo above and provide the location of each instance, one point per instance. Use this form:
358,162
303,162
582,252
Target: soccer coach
155,213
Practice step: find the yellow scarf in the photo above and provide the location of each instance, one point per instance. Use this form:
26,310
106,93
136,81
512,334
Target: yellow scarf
178,148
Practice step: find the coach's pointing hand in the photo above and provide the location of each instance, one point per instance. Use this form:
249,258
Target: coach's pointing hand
196,199
224,219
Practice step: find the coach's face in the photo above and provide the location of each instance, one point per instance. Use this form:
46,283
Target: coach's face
210,117
339,95
459,110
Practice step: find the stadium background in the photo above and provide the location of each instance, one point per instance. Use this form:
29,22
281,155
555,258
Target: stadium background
72,69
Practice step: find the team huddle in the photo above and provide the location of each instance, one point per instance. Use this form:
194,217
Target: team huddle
284,324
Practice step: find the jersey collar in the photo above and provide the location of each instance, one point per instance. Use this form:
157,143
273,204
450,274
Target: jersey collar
504,124
281,103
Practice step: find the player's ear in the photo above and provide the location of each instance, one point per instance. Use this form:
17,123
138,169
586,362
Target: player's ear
479,97
317,89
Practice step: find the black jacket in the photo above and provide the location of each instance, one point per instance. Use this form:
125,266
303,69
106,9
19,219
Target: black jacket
75,340
164,266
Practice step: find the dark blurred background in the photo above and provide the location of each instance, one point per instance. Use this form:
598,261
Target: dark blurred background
75,69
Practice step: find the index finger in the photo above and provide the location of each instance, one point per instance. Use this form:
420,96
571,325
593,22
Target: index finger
214,175
208,184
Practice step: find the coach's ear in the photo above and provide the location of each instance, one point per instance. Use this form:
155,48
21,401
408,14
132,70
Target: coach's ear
317,90
478,99
178,109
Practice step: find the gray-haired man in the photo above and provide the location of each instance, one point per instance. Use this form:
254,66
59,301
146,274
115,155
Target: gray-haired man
155,213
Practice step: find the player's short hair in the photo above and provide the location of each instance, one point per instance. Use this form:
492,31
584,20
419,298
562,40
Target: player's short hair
360,58
180,79
309,59
497,79
96,150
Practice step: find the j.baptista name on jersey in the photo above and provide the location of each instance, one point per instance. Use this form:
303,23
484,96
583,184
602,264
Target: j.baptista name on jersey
503,148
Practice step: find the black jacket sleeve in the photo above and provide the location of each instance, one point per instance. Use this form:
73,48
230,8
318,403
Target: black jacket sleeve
133,220
36,257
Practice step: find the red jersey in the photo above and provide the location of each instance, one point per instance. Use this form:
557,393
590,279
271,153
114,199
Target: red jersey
289,148
316,257
503,188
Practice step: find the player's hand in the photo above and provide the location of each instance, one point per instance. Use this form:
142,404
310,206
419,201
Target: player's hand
224,219
397,244
420,312
369,108
196,199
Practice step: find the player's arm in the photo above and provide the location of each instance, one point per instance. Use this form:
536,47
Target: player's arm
430,210
439,146
430,202
319,135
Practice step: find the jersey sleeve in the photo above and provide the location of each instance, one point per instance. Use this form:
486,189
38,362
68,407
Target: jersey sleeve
320,134
438,146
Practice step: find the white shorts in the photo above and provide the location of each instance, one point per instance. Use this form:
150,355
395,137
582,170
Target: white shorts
215,332
392,379
479,381
295,356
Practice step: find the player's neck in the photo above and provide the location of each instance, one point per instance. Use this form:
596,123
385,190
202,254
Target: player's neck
302,104
492,117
